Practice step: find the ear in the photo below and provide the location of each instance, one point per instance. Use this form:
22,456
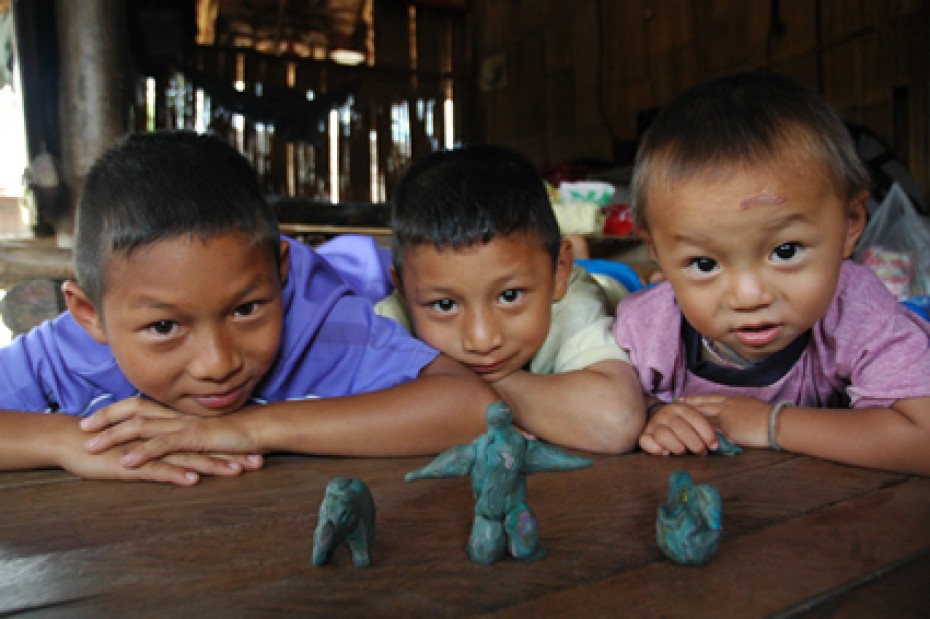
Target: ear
563,270
83,311
395,279
284,261
646,238
856,220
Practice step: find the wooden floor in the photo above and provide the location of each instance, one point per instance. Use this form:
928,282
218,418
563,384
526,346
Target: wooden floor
802,537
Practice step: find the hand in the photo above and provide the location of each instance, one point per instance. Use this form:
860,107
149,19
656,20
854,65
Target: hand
166,435
742,419
132,419
178,469
678,428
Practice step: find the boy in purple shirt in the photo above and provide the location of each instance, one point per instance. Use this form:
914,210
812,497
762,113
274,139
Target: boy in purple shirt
751,197
194,322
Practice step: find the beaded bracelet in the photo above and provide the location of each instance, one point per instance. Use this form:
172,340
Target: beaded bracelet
773,421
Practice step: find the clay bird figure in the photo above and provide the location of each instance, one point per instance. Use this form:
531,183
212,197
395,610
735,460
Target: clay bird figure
347,515
498,463
689,525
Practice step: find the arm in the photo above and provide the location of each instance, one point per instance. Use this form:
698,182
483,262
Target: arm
895,438
35,440
443,407
598,408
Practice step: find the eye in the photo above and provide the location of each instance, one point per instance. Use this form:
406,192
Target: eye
247,309
443,305
163,327
511,296
703,265
786,252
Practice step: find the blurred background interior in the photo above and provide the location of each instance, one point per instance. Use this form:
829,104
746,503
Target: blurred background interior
331,99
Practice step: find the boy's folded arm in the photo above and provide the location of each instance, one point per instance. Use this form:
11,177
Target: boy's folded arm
442,408
599,408
895,438
33,440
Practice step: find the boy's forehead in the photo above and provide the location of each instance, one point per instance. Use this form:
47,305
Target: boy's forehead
518,245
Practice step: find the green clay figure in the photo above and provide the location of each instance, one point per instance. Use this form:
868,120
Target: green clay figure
726,446
689,525
347,515
498,463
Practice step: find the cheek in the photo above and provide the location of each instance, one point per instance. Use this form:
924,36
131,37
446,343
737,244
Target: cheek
440,336
699,306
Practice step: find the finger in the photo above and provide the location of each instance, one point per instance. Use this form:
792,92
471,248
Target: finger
680,438
162,471
162,445
692,422
703,400
248,462
647,443
206,464
124,410
129,430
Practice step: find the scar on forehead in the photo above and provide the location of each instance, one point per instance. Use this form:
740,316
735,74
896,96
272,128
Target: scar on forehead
762,198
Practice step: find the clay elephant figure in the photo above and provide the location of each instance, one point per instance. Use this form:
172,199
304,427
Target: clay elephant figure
347,515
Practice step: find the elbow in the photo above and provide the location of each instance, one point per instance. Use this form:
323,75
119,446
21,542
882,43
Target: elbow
619,431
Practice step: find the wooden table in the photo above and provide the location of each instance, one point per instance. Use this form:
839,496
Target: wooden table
802,537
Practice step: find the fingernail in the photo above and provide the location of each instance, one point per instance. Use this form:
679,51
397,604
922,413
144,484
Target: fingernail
253,459
92,442
191,477
85,423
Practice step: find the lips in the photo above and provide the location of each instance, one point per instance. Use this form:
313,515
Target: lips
758,336
222,400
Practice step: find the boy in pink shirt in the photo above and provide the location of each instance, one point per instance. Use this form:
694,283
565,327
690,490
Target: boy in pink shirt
751,197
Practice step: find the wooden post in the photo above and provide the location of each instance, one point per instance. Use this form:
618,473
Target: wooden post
92,101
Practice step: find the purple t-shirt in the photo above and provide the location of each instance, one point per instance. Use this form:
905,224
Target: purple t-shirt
332,344
868,350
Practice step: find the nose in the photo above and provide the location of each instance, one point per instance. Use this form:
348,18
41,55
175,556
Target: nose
748,290
215,356
482,333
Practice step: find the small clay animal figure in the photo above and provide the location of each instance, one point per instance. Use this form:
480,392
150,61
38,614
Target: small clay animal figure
689,525
347,515
498,463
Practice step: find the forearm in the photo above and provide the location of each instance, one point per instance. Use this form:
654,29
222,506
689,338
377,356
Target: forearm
35,440
883,438
598,409
422,417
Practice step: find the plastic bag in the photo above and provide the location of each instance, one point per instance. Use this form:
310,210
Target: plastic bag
896,244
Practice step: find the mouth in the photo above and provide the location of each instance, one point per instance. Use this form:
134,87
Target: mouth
222,399
488,368
757,336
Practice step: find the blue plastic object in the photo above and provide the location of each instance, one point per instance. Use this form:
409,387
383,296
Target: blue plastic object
623,273
920,305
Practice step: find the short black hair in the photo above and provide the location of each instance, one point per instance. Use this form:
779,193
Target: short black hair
744,119
153,186
468,196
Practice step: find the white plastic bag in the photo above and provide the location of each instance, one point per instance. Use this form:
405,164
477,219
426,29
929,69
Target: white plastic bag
896,244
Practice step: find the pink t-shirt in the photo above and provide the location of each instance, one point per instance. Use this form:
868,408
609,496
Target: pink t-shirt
868,350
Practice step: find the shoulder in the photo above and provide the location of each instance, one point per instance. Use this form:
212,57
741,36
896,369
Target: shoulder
862,302
649,319
393,307
58,366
